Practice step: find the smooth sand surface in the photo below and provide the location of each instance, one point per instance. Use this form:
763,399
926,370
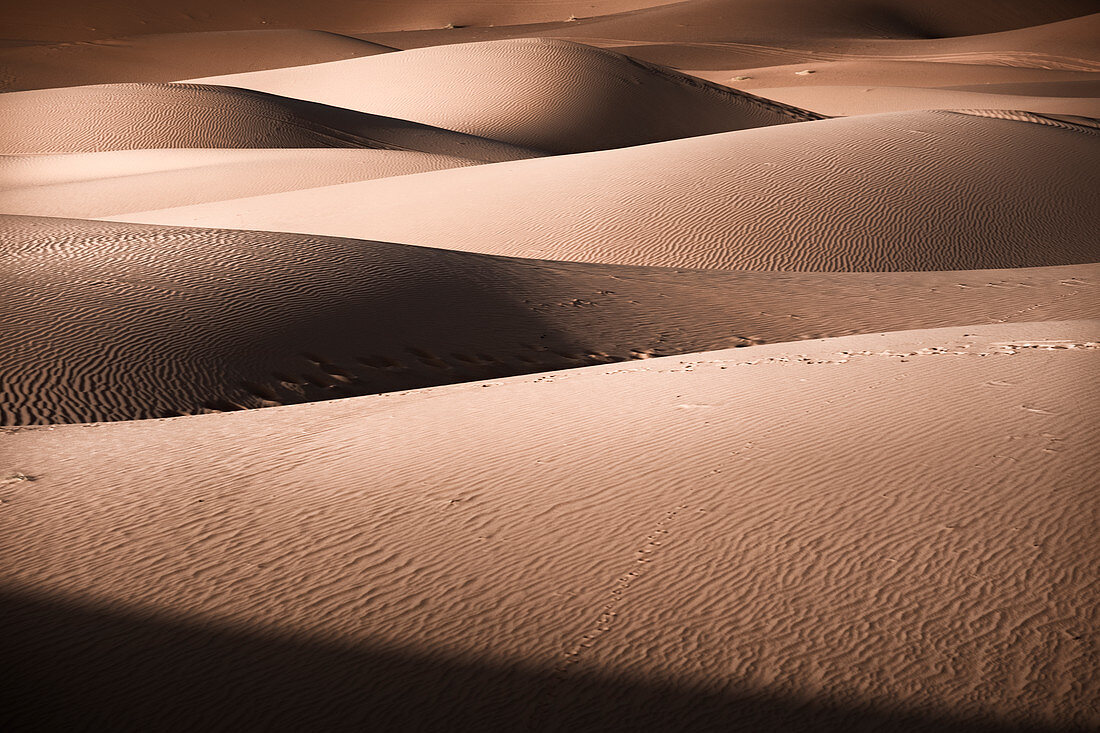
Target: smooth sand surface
110,182
136,116
902,191
626,365
879,531
120,322
548,94
72,20
864,100
170,56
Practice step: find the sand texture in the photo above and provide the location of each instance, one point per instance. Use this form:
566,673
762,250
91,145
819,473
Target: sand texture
898,191
688,519
481,365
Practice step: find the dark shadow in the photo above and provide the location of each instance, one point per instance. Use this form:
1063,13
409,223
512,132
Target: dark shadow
75,667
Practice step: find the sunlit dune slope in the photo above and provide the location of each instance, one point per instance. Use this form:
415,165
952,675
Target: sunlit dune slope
547,94
932,190
885,531
98,184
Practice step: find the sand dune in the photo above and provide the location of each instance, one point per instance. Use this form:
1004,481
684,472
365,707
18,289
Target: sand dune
627,365
494,555
719,34
552,95
131,116
904,191
863,100
171,56
72,20
100,184
116,321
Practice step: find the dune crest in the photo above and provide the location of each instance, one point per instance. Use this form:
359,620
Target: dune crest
890,192
541,93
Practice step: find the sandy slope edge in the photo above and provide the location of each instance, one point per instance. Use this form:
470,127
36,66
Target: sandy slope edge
873,530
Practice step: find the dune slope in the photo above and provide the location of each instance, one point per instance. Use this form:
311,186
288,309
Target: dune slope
902,191
118,321
133,116
886,531
104,183
542,93
167,56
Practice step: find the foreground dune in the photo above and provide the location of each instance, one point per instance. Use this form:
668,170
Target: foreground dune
875,532
902,191
540,93
119,321
133,116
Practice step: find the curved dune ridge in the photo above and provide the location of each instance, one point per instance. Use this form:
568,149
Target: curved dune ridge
105,183
472,557
117,321
133,116
541,93
168,56
902,191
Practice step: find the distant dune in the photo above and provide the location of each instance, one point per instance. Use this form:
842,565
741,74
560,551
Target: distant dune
903,191
169,56
135,116
106,183
552,95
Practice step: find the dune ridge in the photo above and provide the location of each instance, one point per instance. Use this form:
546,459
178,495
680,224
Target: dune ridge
84,185
534,92
146,321
136,116
889,192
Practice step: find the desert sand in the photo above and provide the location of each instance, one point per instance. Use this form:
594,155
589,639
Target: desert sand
719,365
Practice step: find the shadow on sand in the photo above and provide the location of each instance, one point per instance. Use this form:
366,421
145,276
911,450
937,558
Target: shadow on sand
75,667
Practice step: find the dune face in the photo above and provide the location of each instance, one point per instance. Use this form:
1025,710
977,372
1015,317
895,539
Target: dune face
903,191
540,93
140,116
290,318
170,56
110,182
626,365
751,569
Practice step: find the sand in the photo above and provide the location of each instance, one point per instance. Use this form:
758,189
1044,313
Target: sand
899,191
147,116
206,320
540,93
754,538
627,365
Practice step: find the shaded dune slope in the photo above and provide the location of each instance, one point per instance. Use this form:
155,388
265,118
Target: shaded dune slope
131,116
546,94
115,321
99,184
921,564
168,56
903,191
